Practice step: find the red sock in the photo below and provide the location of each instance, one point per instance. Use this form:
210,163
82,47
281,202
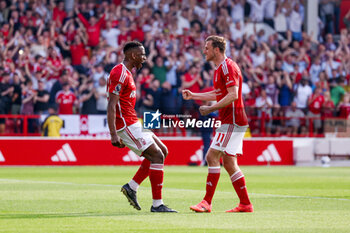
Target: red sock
156,174
212,181
143,171
238,183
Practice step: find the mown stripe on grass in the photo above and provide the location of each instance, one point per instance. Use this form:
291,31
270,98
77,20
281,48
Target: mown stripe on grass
174,189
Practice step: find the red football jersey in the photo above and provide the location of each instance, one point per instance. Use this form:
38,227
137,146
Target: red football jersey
77,51
121,82
316,105
344,110
228,74
328,108
93,31
189,78
65,101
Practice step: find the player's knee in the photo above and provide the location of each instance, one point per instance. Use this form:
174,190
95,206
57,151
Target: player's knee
228,165
208,160
165,151
158,157
211,160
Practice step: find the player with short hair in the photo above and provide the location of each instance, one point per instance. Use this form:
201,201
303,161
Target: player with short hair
126,130
228,139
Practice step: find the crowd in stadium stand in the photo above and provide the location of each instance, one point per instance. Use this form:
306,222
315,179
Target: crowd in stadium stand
54,57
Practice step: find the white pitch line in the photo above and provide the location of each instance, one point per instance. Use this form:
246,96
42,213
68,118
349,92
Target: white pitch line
302,197
174,189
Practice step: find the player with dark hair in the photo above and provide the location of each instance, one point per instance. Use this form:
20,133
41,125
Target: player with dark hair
126,130
228,139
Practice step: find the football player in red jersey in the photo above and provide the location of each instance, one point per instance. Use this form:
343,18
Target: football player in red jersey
126,130
228,139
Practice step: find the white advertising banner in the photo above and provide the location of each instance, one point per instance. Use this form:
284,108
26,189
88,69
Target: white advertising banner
97,124
83,125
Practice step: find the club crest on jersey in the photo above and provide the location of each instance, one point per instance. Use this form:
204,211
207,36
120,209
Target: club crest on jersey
143,141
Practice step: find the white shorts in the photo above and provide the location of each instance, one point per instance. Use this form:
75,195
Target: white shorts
136,138
229,139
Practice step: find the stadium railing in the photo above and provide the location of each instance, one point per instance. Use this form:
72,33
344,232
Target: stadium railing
17,125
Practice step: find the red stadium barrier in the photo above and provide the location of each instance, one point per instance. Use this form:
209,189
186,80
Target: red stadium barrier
40,151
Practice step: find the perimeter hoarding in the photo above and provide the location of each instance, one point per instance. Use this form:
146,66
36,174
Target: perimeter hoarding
182,151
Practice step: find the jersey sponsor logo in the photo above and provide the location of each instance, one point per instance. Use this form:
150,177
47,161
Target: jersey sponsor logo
151,120
65,154
132,157
2,158
67,100
270,155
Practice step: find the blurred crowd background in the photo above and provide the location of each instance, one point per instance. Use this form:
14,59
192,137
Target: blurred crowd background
59,54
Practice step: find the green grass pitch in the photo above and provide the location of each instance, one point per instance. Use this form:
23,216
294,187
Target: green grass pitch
88,199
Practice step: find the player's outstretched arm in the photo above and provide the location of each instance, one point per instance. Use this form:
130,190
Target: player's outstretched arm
231,96
189,95
111,111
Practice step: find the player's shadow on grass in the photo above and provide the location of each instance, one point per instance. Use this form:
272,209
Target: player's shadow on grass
67,215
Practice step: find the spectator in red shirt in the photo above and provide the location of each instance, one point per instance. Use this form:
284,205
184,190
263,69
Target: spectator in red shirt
315,103
344,107
124,35
145,77
136,33
25,18
69,30
328,105
66,100
54,64
5,30
59,13
77,50
192,80
93,28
